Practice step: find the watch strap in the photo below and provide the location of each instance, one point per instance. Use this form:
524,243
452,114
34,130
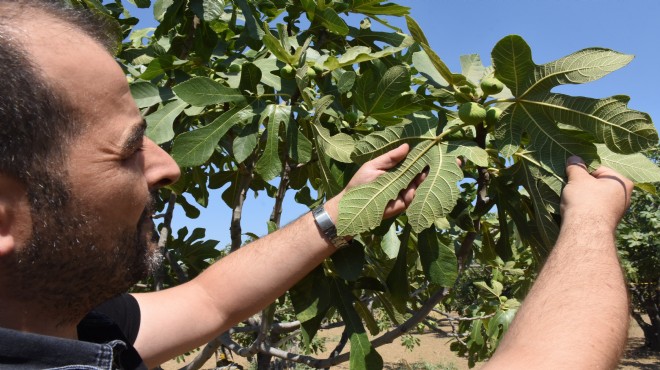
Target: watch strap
328,228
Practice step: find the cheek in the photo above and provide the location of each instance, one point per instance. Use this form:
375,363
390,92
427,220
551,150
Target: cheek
115,197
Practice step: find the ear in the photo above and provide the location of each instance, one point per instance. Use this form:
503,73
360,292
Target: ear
15,217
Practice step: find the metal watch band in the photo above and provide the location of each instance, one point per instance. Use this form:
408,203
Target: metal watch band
328,228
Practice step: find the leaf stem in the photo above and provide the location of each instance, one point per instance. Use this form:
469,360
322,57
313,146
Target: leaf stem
451,131
495,101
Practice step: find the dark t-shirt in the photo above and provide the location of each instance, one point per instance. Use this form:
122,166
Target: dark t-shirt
118,318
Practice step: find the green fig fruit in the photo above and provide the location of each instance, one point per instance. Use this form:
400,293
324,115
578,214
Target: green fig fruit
311,73
491,86
492,115
471,113
287,72
234,68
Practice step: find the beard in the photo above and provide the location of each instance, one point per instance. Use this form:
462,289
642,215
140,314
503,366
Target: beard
74,260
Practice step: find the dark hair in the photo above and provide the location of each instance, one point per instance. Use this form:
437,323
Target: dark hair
36,122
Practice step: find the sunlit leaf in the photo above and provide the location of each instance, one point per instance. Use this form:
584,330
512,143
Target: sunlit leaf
536,111
195,147
363,355
438,260
269,164
203,91
159,123
636,167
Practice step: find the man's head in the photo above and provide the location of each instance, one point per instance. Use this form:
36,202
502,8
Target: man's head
76,172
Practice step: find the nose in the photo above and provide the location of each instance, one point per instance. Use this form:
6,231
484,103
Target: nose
160,169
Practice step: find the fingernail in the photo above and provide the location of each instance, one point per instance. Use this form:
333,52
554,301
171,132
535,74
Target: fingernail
575,160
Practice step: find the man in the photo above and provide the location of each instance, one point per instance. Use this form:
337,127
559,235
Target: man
76,177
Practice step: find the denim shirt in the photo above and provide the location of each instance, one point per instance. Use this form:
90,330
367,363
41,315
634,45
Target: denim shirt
101,346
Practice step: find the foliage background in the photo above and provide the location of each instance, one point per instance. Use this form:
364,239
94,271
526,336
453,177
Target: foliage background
484,288
458,27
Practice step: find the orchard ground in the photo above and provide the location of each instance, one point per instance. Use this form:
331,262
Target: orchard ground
433,354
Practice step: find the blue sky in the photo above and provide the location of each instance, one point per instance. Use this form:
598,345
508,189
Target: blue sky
553,29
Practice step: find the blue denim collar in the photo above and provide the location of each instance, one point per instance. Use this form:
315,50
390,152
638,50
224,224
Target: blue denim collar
19,350
32,351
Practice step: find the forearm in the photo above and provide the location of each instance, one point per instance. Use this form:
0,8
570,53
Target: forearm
231,290
260,272
576,315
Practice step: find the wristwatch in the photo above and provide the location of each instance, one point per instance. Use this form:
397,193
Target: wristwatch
327,227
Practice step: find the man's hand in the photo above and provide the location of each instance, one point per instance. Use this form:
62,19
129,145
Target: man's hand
604,193
374,168
576,314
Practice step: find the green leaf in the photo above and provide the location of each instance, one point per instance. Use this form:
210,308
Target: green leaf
161,65
490,292
397,280
251,24
268,65
141,3
390,244
609,120
363,355
469,150
422,127
311,300
636,167
361,209
438,260
269,164
246,141
377,7
349,262
426,68
346,81
299,147
359,54
389,88
331,20
416,31
274,46
418,35
159,123
503,319
544,189
194,148
472,68
332,188
367,317
208,10
535,111
338,147
145,94
250,78
203,91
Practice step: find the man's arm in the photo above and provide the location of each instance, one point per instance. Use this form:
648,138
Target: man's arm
246,281
576,314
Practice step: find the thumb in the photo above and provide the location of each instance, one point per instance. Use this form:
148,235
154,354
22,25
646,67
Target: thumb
576,168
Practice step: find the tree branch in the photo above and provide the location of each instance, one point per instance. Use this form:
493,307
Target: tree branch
246,175
159,274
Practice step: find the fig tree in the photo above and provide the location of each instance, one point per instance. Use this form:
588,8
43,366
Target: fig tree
287,72
471,113
491,86
492,115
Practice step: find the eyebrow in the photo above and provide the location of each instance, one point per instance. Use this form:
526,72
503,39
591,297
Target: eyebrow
135,137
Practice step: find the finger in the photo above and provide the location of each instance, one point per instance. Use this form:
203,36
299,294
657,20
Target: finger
420,178
607,173
576,168
391,158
